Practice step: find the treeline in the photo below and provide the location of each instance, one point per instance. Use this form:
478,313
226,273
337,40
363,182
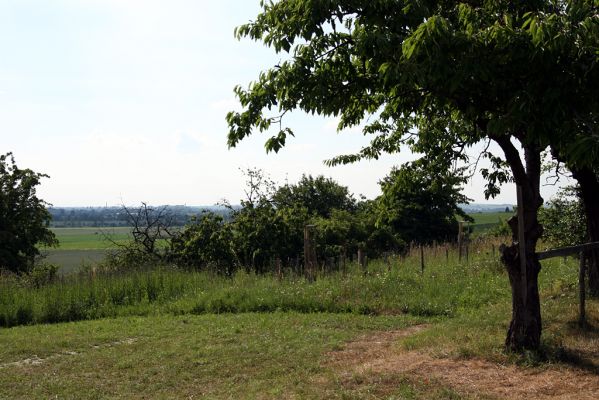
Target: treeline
75,217
267,229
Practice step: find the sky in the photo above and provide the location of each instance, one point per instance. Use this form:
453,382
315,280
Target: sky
123,101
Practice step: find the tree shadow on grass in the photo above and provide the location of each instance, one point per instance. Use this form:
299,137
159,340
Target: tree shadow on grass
582,354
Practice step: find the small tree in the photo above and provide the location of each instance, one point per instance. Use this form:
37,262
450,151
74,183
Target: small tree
24,218
563,220
318,195
205,243
420,206
151,230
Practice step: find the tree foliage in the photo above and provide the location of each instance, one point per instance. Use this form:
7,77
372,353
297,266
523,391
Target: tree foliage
24,218
269,225
318,195
412,62
563,220
205,243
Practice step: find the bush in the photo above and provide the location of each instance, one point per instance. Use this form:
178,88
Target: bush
41,275
206,243
563,219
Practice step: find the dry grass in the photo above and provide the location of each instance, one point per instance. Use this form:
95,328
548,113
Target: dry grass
378,360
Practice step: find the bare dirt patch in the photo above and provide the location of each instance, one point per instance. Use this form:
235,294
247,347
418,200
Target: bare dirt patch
378,355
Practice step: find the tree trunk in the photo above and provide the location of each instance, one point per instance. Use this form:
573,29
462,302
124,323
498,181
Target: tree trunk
525,327
589,188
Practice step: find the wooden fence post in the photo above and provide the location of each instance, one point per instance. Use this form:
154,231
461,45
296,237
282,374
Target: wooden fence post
279,268
581,291
460,237
361,260
421,259
310,262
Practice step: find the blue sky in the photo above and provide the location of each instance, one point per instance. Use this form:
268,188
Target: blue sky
125,101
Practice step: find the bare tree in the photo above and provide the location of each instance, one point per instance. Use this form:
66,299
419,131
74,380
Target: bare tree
150,227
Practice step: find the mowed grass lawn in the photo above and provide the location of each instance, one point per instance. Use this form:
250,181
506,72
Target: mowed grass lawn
248,356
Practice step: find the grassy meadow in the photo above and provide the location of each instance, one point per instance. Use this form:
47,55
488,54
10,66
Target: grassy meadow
169,333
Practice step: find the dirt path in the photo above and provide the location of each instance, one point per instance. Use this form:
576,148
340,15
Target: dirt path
378,355
35,360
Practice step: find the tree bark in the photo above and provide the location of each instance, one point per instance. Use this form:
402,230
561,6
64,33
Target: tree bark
589,190
524,332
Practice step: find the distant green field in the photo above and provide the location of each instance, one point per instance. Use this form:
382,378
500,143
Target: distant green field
490,218
72,260
486,220
90,238
83,246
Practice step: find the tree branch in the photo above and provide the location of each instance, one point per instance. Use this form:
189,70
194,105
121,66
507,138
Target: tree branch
512,156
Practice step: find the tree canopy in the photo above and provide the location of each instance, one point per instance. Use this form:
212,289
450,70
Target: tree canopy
421,207
480,66
24,218
318,195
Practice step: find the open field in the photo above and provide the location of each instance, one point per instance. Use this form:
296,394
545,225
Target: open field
90,238
83,246
72,260
390,333
484,221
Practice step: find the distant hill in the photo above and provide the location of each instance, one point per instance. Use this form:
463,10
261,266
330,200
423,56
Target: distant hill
485,208
182,214
116,216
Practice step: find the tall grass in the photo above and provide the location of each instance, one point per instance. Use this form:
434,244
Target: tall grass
447,287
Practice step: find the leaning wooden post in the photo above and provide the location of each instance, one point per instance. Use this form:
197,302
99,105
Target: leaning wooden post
421,259
309,254
467,252
581,291
279,269
460,235
522,244
361,262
